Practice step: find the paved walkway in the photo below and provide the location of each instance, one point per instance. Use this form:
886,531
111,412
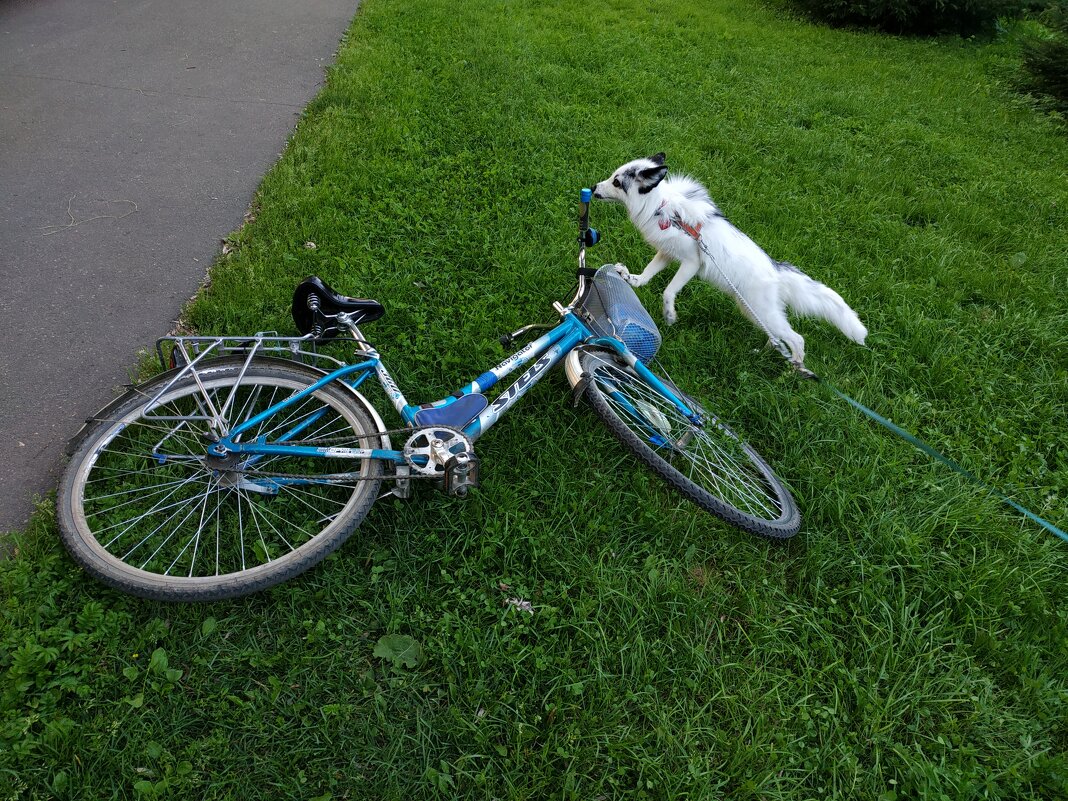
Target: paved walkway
132,135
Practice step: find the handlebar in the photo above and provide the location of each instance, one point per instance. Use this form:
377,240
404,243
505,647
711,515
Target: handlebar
588,237
584,212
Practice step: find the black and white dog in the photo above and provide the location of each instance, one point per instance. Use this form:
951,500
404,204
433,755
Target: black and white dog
676,216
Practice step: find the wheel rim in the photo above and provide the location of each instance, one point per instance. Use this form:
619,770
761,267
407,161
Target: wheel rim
710,456
150,501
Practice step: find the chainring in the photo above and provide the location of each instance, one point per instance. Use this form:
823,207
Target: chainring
428,450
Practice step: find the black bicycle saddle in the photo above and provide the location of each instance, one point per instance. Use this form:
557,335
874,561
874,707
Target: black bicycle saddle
315,304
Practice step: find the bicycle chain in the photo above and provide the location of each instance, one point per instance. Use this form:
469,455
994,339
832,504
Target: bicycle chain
341,440
348,439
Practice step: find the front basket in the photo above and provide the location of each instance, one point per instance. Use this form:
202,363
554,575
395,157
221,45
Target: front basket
614,311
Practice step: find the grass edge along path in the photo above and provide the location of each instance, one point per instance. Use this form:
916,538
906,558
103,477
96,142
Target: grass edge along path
909,643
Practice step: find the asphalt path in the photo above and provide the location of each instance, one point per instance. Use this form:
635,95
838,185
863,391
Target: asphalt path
132,136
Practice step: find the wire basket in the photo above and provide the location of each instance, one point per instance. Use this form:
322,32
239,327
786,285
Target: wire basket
615,311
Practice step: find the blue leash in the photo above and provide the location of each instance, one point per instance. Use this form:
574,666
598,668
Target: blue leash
695,234
923,446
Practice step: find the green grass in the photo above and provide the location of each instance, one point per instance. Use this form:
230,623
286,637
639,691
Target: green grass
911,642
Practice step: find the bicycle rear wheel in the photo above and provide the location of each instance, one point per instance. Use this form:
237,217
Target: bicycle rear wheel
142,508
708,464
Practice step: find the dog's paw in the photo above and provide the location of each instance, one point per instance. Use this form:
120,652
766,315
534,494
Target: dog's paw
623,272
670,317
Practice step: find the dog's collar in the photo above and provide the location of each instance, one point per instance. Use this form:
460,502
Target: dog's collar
693,231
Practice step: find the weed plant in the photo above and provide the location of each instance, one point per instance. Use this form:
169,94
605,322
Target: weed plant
918,17
911,642
1045,57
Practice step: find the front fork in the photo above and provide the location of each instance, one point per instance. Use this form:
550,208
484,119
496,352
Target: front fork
574,374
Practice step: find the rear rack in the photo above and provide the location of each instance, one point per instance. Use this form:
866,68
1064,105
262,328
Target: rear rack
185,353
181,351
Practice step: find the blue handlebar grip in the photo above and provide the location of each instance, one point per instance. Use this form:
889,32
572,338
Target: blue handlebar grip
586,195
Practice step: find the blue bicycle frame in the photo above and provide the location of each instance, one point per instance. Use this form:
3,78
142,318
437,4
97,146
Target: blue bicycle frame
546,352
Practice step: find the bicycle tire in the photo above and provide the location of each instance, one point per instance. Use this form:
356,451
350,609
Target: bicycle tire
118,497
733,481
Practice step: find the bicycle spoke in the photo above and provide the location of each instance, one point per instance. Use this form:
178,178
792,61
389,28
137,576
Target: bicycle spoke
246,411
265,510
240,530
297,493
195,538
166,540
156,509
140,496
218,533
140,492
734,483
707,455
256,521
115,472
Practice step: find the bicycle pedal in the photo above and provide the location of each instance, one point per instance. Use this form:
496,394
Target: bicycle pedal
461,474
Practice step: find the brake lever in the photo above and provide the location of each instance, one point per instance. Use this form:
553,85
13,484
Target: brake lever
507,340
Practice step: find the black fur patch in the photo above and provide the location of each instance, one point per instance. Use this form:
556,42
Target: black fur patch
650,178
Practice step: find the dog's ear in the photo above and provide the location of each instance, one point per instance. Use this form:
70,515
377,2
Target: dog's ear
650,177
659,159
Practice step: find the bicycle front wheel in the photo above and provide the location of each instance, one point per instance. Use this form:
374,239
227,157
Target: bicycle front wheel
143,508
708,464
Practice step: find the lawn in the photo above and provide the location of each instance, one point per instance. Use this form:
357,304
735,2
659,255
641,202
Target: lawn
910,642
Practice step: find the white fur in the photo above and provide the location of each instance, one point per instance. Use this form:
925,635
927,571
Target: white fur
767,287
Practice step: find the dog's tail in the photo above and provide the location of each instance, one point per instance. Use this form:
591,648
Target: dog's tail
809,297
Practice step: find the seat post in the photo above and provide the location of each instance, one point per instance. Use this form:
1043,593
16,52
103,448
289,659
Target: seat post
357,335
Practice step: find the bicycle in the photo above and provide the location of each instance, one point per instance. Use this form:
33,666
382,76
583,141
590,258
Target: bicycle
250,459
